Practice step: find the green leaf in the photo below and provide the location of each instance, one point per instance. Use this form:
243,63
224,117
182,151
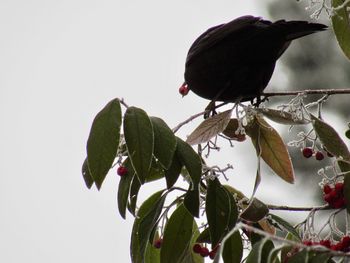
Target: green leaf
330,139
221,211
271,148
320,258
341,26
255,211
253,237
282,117
134,191
135,248
103,141
191,160
239,195
336,146
177,235
173,173
124,186
164,142
191,201
260,251
300,257
273,256
287,250
148,223
285,225
156,172
233,248
209,128
204,236
190,256
89,181
152,254
139,139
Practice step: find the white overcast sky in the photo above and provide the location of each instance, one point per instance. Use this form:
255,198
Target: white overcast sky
60,63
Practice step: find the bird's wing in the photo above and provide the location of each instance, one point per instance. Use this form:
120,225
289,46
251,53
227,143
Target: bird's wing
215,34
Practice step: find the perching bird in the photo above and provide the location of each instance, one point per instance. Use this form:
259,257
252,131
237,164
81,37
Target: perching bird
235,61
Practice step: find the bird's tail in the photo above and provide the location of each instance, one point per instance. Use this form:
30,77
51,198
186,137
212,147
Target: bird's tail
297,29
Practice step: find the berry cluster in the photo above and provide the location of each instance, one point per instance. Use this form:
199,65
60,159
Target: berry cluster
204,252
308,152
122,170
342,245
334,196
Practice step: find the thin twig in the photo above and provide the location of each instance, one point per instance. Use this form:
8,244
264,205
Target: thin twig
176,128
291,208
123,102
314,91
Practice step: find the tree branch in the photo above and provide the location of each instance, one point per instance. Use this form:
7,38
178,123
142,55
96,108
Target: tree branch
123,102
271,94
313,91
291,208
290,242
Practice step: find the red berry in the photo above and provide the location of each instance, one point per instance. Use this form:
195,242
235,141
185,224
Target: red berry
337,247
212,254
158,243
339,187
338,203
319,156
307,152
325,243
183,90
204,252
327,189
329,198
197,248
346,241
122,170
307,243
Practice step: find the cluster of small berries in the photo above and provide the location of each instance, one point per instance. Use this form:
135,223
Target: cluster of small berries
308,152
204,251
334,195
122,170
342,245
183,90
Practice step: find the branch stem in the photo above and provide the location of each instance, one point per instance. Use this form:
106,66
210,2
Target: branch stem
313,91
291,208
290,242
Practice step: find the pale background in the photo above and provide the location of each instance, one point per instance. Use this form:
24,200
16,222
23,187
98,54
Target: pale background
60,63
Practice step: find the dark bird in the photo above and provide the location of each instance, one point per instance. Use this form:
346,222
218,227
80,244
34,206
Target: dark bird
235,61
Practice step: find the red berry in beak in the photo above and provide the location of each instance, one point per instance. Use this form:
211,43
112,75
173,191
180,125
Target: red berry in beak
183,90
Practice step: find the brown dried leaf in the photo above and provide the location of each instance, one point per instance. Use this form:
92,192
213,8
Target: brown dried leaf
271,148
267,227
209,128
230,131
